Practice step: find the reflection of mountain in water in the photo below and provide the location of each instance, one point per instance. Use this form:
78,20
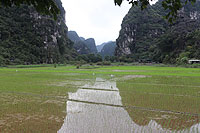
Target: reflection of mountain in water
98,108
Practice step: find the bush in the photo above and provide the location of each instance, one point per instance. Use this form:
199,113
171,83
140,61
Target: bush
166,59
106,63
78,66
2,61
121,63
184,60
99,63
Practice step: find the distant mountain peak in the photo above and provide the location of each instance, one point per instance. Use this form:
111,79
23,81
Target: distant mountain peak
82,45
108,48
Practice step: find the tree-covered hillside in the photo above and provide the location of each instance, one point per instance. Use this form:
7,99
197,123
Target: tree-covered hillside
108,49
99,47
26,37
147,36
90,43
81,45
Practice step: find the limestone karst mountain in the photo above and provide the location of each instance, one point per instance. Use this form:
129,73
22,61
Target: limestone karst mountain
146,36
99,47
82,45
90,43
108,49
27,37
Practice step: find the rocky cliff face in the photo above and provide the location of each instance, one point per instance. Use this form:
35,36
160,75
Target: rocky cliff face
90,43
73,36
79,44
27,37
99,47
62,10
138,29
143,33
108,49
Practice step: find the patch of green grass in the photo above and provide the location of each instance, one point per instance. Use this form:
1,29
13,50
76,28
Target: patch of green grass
165,93
34,101
160,95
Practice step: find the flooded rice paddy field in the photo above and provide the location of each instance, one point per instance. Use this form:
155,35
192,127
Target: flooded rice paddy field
115,99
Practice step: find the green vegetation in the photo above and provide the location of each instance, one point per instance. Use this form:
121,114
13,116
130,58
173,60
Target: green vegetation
48,7
108,49
33,98
81,45
172,7
166,94
27,37
34,101
146,37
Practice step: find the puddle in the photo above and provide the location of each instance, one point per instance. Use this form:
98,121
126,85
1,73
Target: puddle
99,110
134,76
74,83
96,96
128,71
90,118
102,84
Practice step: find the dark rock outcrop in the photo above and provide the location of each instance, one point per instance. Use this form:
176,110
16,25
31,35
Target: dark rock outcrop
82,38
90,43
73,36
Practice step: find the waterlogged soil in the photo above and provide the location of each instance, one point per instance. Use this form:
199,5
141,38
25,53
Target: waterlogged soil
91,105
26,113
98,108
101,84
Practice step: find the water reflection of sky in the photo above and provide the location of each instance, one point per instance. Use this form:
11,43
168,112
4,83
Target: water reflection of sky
88,111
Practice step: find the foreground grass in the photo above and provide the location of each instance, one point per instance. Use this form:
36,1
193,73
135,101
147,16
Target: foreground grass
34,101
34,98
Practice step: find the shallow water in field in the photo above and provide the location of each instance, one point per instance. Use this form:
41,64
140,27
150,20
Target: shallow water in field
97,108
102,84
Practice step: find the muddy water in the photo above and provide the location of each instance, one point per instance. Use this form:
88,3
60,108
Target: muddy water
102,84
97,108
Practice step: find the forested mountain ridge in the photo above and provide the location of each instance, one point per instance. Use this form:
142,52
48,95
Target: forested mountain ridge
99,47
146,36
81,45
27,37
90,43
108,49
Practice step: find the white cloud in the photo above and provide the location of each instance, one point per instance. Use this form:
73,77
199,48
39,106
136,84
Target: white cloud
99,19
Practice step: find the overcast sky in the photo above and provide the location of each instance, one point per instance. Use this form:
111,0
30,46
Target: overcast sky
98,19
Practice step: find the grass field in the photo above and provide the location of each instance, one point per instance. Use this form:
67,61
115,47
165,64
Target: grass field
34,98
